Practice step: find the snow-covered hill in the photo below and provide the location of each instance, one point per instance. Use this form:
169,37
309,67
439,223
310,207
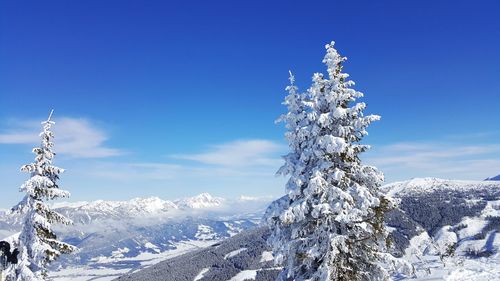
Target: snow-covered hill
242,257
447,229
458,221
115,237
432,185
496,178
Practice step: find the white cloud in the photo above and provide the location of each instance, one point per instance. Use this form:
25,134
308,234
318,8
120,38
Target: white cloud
237,160
75,137
228,169
120,171
79,138
238,153
436,159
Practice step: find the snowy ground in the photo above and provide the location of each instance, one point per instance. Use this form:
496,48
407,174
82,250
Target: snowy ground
201,274
118,237
428,267
245,275
103,272
457,269
463,214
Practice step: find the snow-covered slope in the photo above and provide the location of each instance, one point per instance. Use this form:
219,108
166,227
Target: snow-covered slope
496,178
122,236
457,221
447,229
242,257
433,185
429,204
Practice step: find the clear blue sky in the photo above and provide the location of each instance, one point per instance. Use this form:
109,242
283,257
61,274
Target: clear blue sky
174,98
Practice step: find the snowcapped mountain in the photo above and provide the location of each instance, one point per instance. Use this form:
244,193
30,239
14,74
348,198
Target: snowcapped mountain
116,237
448,229
496,178
203,200
242,257
7,227
430,204
85,212
433,185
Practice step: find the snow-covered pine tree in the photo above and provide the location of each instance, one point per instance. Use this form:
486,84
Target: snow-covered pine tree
332,227
296,123
38,243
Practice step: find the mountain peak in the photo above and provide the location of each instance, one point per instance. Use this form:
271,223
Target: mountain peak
151,204
204,195
203,200
143,205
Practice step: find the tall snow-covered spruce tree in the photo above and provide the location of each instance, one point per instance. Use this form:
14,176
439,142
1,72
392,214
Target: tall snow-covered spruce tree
38,243
332,227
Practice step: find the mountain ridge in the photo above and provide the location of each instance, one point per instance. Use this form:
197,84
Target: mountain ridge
434,216
119,237
123,236
495,178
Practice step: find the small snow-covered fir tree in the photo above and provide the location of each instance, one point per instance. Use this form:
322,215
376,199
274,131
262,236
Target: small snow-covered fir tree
297,134
332,227
37,242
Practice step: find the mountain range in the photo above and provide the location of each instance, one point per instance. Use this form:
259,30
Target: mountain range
116,237
446,229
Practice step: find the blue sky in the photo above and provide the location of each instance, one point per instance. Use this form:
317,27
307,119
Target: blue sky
174,98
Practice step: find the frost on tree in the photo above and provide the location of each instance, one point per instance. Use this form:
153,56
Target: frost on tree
38,243
332,226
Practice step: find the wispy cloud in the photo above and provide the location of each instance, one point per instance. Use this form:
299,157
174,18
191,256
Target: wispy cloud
130,171
229,169
75,137
238,153
436,159
237,160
